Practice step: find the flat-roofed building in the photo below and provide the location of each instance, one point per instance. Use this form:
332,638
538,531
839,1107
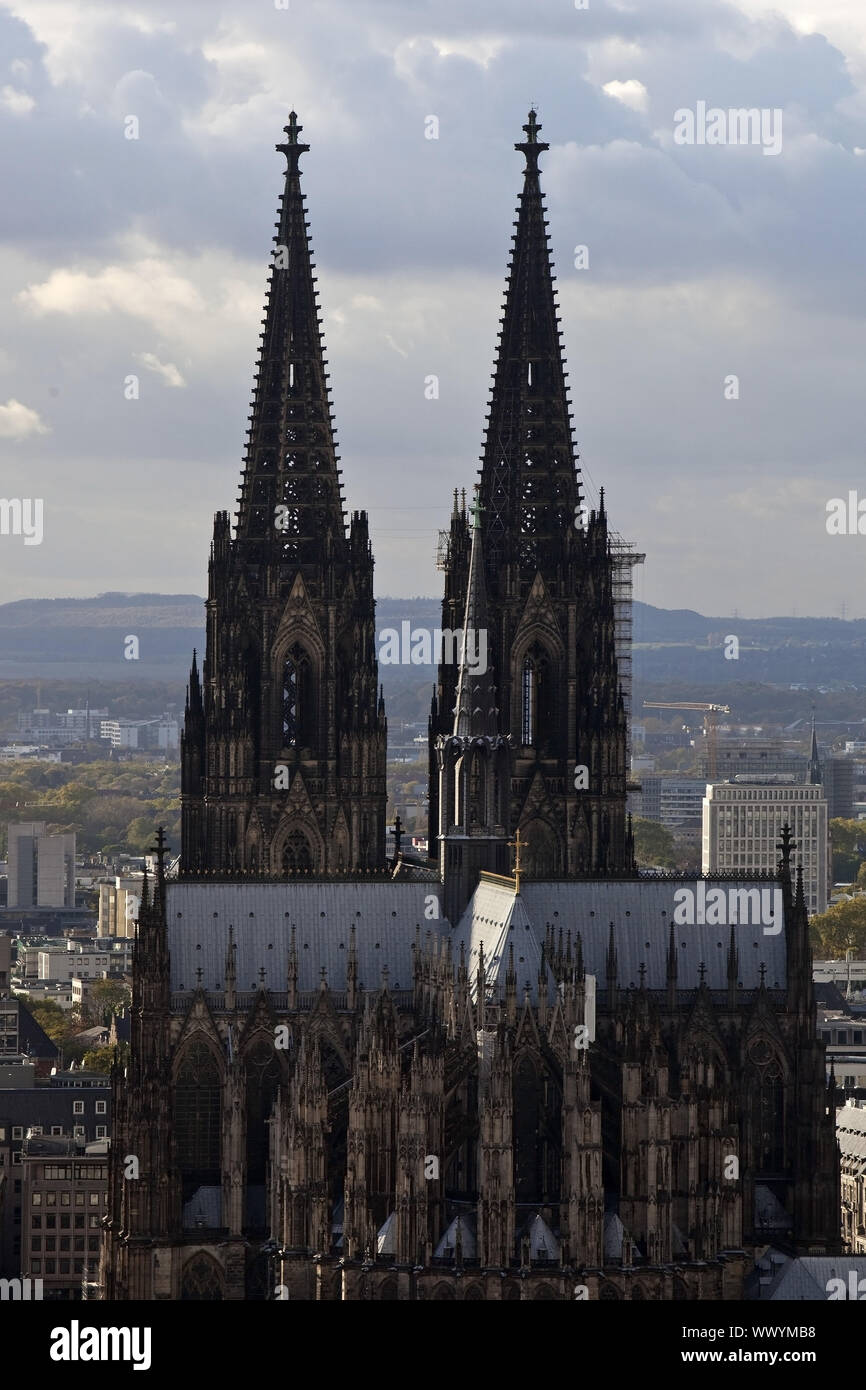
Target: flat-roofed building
742,826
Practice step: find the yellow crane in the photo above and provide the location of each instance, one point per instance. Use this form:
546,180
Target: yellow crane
710,713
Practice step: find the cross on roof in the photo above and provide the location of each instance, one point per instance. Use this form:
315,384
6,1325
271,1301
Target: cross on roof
516,844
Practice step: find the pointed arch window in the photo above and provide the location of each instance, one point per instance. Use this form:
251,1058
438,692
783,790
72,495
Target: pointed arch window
263,1076
766,1090
537,711
297,857
477,788
201,1281
197,1106
298,701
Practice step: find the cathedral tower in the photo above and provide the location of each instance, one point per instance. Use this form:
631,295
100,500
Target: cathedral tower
283,756
549,580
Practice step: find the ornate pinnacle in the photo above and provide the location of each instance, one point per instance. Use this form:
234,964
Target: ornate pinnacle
532,147
293,148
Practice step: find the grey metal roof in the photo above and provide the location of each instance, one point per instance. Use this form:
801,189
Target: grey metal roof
641,913
384,916
806,1278
496,918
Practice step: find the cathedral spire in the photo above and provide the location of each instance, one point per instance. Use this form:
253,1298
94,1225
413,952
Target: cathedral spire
475,713
291,498
529,481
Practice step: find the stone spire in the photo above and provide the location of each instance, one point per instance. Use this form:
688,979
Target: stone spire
529,481
291,496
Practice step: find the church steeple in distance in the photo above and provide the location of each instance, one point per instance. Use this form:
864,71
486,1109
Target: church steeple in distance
283,761
549,585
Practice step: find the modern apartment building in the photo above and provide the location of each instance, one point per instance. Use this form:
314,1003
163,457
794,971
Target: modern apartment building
64,1195
41,867
119,902
72,1107
742,826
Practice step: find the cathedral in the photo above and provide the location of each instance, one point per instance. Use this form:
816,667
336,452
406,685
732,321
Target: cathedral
518,1071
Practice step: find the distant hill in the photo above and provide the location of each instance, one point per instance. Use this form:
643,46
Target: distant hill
677,651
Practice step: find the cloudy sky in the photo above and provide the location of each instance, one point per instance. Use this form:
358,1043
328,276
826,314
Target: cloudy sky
149,256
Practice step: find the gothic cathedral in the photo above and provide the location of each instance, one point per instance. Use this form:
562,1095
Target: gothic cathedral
507,1073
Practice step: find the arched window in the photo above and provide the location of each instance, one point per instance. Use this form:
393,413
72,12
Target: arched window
298,699
477,789
537,1130
201,1281
263,1075
766,1092
297,857
537,709
197,1104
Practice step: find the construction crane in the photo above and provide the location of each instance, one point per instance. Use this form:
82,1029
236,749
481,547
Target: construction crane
710,713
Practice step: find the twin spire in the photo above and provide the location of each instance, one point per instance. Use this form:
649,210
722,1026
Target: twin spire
291,496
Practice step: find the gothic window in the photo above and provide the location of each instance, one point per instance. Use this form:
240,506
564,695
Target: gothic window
528,703
201,1281
197,1100
263,1076
537,1130
766,1092
477,807
536,702
298,700
296,854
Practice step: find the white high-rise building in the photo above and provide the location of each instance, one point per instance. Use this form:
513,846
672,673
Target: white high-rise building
742,826
41,867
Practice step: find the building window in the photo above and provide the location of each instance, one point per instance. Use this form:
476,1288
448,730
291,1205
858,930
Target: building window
36,1266
298,712
16,1158
17,1132
78,1107
100,1107
101,1131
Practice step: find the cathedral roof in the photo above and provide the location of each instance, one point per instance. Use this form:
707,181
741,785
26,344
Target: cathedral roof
384,916
641,912
496,918
465,1224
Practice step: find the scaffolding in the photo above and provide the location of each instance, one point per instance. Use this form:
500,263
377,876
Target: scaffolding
624,557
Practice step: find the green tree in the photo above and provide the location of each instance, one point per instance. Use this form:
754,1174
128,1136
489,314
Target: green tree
653,844
841,928
108,997
849,848
98,1059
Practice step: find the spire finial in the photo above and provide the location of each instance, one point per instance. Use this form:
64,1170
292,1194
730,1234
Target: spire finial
516,844
532,147
292,148
475,508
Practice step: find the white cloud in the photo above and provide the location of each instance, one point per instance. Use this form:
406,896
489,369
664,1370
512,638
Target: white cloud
19,103
18,421
148,289
167,370
631,93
